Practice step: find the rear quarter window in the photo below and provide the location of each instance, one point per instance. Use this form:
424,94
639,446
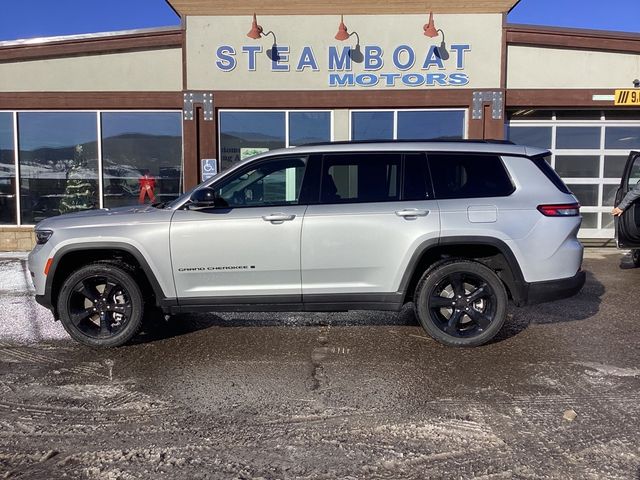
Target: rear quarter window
543,162
465,175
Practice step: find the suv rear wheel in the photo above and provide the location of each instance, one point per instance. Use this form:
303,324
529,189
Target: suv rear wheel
461,303
101,305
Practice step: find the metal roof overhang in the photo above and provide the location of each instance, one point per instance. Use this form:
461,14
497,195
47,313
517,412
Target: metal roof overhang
337,7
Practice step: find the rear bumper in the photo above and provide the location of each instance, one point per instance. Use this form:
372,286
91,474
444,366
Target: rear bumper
539,292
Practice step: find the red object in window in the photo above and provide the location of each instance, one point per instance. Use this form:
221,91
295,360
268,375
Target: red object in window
147,185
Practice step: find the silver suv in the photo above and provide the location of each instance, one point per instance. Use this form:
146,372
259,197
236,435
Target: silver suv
457,228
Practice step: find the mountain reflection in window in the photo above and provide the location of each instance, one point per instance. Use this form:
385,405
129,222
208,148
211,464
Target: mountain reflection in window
243,134
7,171
58,163
142,157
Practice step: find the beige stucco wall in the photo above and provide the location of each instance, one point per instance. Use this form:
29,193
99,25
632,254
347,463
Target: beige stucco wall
535,67
153,70
206,34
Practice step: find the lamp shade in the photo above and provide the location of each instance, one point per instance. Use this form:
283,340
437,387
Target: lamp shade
430,29
256,30
342,34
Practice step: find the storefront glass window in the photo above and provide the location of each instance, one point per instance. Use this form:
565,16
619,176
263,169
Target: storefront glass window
587,194
609,195
407,125
425,125
624,138
244,134
577,137
589,220
58,163
531,136
309,127
607,220
614,165
372,125
142,157
7,170
578,166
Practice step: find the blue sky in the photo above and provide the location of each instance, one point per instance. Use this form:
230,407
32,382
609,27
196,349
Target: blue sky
36,18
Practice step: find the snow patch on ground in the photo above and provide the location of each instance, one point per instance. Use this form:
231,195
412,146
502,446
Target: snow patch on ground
604,370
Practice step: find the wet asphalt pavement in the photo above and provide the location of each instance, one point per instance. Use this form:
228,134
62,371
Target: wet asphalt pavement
360,395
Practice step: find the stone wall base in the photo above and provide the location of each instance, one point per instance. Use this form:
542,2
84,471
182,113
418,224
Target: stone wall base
17,239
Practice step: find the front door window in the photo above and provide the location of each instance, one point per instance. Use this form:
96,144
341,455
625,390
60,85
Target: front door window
272,183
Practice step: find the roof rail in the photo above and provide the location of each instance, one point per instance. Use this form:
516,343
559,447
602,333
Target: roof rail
421,140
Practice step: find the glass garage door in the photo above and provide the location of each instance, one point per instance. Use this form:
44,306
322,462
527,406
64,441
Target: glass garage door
589,152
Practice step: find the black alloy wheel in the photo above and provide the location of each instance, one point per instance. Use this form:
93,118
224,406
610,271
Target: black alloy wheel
101,305
461,303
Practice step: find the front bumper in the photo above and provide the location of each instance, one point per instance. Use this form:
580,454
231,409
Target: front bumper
45,301
539,292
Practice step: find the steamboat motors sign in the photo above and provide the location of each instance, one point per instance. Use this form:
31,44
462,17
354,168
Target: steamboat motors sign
403,66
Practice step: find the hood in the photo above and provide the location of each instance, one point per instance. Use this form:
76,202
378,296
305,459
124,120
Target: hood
104,216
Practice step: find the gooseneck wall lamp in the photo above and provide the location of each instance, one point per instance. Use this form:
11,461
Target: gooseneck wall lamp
257,32
355,53
431,31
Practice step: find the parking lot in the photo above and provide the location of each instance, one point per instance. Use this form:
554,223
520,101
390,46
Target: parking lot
326,396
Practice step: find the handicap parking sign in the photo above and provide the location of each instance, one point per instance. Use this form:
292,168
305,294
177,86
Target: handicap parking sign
209,168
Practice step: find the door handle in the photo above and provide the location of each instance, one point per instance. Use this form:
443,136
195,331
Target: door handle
278,218
412,213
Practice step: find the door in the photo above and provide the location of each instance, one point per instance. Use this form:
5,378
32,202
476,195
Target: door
357,242
628,224
248,247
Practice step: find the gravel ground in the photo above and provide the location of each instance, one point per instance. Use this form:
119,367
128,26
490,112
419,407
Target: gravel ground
360,395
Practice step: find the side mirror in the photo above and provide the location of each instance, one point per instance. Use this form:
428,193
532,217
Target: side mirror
206,198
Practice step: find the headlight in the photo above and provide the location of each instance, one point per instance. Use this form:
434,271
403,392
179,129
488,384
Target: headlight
42,236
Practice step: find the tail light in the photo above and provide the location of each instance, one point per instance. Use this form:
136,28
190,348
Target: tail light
560,210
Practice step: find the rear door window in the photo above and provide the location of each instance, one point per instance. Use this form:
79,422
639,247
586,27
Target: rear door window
464,175
360,177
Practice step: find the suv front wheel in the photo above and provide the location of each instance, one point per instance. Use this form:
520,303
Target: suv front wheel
461,303
101,305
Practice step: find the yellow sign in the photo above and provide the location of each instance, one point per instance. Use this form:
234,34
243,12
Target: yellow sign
628,96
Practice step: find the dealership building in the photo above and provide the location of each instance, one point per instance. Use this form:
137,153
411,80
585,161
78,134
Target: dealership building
124,118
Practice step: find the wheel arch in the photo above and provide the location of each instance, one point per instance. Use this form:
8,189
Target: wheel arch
70,257
491,252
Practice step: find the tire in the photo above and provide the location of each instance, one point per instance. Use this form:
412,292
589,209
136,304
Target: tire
635,258
95,318
461,303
